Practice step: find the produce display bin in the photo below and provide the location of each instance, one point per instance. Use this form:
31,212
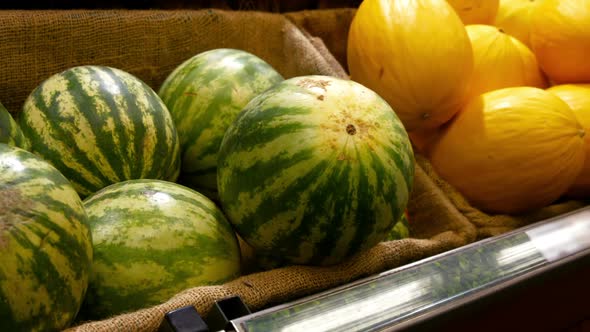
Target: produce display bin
530,278
461,268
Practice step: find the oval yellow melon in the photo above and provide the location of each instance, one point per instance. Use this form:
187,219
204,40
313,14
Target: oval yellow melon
577,96
501,61
511,150
413,53
423,140
476,11
560,38
514,17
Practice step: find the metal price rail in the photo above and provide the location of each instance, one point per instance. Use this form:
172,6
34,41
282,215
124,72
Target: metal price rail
421,295
403,297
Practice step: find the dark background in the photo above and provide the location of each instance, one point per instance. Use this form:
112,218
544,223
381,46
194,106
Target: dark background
261,5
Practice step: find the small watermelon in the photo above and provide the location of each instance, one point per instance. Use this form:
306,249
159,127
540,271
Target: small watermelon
401,229
153,239
100,125
45,245
10,132
314,170
204,94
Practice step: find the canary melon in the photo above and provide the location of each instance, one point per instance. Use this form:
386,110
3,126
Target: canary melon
476,11
577,96
511,150
560,37
514,17
423,140
501,61
415,54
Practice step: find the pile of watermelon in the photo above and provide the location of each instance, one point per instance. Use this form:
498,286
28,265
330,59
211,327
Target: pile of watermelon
114,197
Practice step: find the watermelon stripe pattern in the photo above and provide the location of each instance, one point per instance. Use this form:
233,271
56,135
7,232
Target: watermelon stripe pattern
401,229
45,245
100,125
10,132
314,170
204,95
153,239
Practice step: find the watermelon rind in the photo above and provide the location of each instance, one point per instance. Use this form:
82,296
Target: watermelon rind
204,95
314,170
153,239
100,125
45,245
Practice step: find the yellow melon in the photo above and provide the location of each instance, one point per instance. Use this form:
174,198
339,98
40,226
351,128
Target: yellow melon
560,38
511,150
415,54
423,140
514,17
476,11
577,96
501,61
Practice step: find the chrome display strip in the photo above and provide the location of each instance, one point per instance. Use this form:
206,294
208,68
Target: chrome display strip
378,302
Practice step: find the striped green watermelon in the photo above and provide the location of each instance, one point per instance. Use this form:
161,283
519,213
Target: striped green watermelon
401,229
153,239
99,126
10,132
45,245
204,94
314,170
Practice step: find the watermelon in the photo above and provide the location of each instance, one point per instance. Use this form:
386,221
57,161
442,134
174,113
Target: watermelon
153,239
204,94
401,229
314,170
100,125
10,132
45,245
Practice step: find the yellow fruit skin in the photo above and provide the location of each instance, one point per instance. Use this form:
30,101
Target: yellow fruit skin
501,61
511,150
476,11
560,36
422,141
577,96
514,17
413,53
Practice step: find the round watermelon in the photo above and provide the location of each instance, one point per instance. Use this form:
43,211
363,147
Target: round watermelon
204,94
314,170
401,229
153,239
10,132
100,125
45,245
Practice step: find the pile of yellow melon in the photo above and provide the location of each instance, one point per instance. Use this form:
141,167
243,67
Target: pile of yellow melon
495,93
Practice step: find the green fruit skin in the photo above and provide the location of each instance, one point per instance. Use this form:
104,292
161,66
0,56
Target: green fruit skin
401,229
10,132
153,239
45,245
100,125
204,95
315,170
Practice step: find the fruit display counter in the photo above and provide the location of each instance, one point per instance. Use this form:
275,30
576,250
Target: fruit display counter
458,289
532,278
400,165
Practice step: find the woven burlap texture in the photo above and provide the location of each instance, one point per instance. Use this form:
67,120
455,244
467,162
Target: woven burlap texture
150,44
436,227
330,25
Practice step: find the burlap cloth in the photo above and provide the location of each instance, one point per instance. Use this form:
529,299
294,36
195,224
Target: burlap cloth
150,44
